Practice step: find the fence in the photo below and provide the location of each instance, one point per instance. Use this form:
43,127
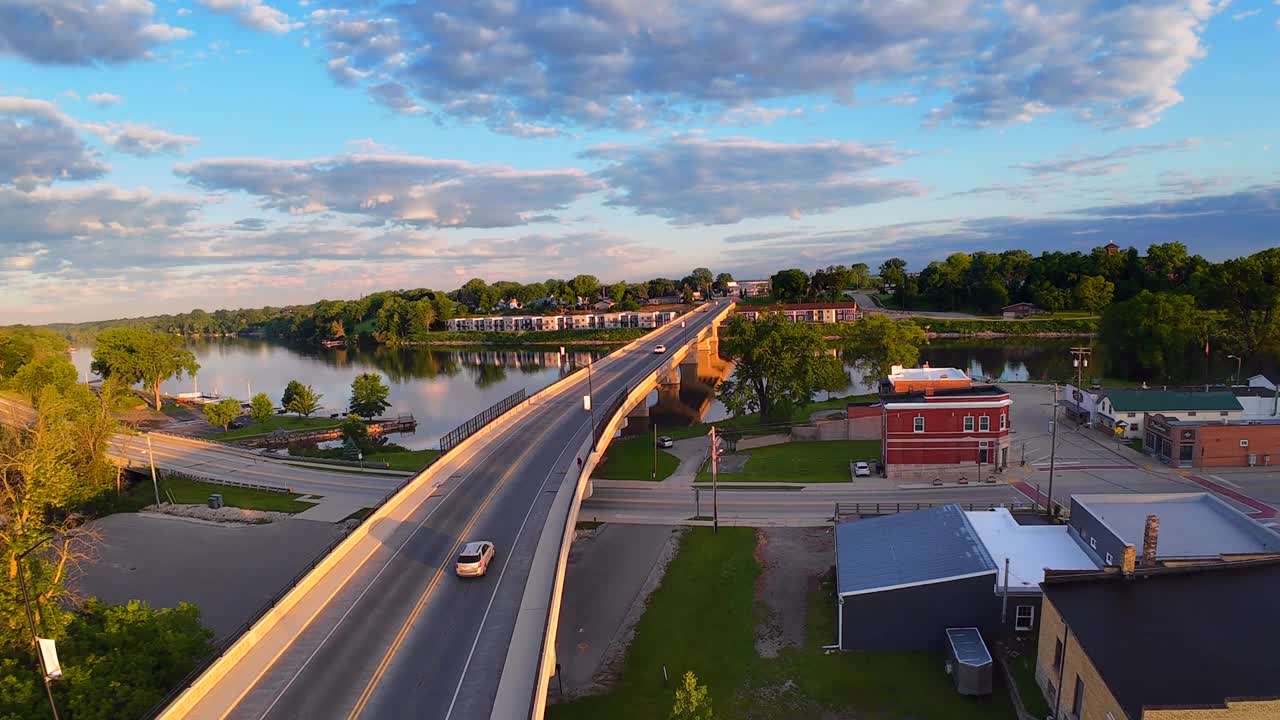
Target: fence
886,508
451,439
607,415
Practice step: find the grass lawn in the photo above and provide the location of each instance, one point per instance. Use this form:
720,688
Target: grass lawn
632,459
1023,669
190,492
803,462
701,618
752,421
278,422
412,460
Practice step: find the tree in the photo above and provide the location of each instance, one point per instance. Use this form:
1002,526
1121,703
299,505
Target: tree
778,365
687,295
369,395
290,392
1248,291
722,282
222,413
33,377
790,285
1153,335
1094,292
585,286
305,401
877,343
702,280
693,701
990,296
260,408
618,292
139,355
894,272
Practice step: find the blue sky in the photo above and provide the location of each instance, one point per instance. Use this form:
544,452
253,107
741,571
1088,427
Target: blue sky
158,157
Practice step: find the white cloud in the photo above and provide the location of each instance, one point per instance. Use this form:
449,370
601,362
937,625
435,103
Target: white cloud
1107,163
1246,14
691,179
103,100
39,144
398,188
254,14
82,32
142,140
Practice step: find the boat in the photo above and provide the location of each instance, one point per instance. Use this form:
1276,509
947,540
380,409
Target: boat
333,343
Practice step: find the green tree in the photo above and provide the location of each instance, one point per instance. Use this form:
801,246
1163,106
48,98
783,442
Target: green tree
990,296
290,391
722,281
877,343
693,701
790,285
586,286
305,401
778,365
139,355
618,291
1094,292
33,377
1247,290
369,395
260,408
1153,335
702,280
894,272
687,296
222,413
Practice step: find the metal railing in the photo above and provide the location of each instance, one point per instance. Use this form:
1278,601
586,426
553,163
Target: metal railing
886,508
451,439
614,408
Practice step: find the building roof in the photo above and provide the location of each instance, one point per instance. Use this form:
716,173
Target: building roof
1170,400
800,306
1016,305
978,392
968,646
925,374
1192,525
1187,636
1030,548
906,549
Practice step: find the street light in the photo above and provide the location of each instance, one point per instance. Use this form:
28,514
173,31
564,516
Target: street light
41,665
1237,359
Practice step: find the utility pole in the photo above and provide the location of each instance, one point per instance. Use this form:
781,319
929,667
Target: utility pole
31,623
591,402
1053,451
151,456
1080,360
1237,359
654,475
715,485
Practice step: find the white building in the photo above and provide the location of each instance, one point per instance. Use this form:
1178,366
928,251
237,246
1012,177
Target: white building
583,321
1121,411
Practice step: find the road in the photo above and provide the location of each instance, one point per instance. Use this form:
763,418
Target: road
403,637
228,464
867,304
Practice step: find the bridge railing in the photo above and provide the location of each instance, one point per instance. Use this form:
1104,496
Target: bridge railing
451,439
613,409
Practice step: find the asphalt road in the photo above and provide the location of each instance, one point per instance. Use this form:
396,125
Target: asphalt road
405,637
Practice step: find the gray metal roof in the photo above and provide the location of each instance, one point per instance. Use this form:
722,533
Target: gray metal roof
968,646
1192,525
910,548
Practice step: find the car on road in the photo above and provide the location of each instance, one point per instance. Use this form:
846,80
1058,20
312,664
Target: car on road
861,469
665,441
474,559
659,349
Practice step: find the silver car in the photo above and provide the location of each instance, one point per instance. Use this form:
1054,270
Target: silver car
861,469
474,559
665,441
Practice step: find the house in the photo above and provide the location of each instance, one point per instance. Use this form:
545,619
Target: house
1167,643
833,312
1020,310
1212,443
1188,527
603,305
1111,248
941,424
1080,404
510,304
753,288
1120,411
903,579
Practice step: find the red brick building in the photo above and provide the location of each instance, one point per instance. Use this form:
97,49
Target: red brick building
1212,443
944,428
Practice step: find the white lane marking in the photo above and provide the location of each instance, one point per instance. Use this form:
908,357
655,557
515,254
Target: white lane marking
505,564
1225,481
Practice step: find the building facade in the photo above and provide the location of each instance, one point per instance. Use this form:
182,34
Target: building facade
580,321
1206,443
751,288
1120,412
838,312
948,429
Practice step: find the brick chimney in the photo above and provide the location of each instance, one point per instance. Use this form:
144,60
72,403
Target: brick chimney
1150,538
1128,559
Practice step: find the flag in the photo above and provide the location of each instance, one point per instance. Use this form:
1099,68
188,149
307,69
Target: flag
1206,347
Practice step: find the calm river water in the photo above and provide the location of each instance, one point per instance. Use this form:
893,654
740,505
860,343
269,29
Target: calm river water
443,387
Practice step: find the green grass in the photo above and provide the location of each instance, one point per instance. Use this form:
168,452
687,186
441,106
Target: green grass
632,459
587,524
1023,669
360,514
278,422
412,460
801,462
702,618
1135,444
190,492
752,421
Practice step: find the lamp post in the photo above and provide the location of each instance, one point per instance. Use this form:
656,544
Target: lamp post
1237,359
31,623
1053,451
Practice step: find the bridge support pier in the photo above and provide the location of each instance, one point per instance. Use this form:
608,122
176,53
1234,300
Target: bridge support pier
638,418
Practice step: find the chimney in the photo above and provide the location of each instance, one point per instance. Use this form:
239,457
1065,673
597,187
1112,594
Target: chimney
1127,560
1150,537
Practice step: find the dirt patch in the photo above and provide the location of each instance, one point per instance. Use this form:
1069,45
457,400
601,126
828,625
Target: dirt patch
792,561
233,515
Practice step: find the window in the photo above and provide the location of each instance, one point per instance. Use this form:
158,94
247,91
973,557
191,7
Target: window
1132,415
1109,561
1222,413
1024,618
968,423
1057,655
1077,699
1004,421
919,426
1191,413
1135,427
1244,443
984,423
1093,543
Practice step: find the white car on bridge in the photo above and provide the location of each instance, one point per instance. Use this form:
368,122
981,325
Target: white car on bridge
659,349
474,559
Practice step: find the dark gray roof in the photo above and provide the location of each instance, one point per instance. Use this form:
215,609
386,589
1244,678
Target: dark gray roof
1190,636
1192,525
910,548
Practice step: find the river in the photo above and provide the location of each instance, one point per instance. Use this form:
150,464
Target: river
443,387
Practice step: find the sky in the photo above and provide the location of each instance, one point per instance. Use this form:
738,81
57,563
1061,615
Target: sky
157,157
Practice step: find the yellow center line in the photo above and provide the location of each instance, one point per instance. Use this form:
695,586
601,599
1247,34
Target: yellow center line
435,580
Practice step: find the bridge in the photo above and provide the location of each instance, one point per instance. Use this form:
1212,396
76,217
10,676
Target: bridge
381,628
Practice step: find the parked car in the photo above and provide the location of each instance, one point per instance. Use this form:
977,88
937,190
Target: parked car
659,349
665,441
861,469
475,558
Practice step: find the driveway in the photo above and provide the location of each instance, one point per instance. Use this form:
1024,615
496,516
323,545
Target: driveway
229,572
